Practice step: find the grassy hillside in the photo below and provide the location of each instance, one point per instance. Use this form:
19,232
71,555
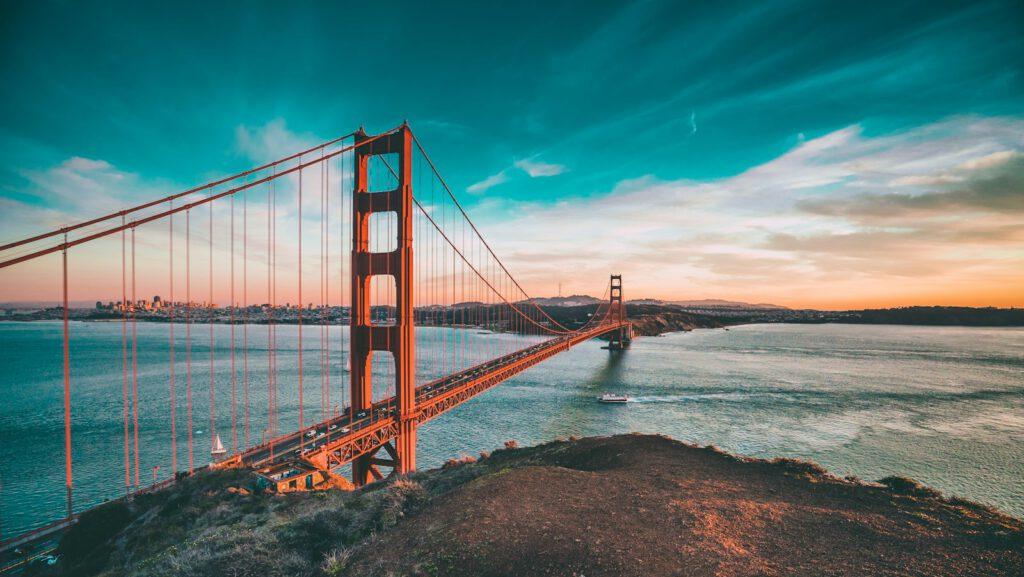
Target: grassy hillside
624,505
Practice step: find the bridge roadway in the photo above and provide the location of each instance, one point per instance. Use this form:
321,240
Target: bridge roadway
339,440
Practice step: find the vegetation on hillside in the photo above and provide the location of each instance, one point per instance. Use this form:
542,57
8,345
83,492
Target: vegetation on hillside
624,505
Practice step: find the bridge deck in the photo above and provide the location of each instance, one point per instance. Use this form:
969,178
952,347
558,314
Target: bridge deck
337,441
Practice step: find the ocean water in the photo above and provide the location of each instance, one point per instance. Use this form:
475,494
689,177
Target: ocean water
943,405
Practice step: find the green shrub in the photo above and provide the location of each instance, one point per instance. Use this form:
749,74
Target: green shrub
85,548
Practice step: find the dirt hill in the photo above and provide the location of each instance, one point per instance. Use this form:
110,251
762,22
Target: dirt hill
625,505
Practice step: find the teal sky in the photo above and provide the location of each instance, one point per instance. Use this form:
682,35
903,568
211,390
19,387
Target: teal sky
656,112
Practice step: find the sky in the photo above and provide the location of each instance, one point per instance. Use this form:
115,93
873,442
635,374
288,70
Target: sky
831,156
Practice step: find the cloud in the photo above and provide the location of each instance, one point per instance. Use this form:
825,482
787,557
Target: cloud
487,183
990,184
929,215
538,169
80,186
821,225
990,160
271,141
533,168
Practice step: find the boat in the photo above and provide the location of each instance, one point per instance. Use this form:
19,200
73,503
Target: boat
612,398
218,449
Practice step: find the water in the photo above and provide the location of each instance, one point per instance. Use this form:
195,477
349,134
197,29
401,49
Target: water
941,405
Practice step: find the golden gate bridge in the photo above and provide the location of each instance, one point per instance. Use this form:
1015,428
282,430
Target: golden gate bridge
396,251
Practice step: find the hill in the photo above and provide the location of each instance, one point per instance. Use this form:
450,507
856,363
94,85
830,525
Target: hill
648,320
624,505
569,301
710,304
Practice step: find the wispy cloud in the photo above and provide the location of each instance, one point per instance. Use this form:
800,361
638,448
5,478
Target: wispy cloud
487,183
79,186
978,186
532,168
271,141
536,168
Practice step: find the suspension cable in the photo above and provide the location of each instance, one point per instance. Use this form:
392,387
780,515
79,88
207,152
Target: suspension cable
480,236
127,211
70,243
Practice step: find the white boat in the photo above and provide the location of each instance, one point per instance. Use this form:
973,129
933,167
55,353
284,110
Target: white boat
218,448
612,398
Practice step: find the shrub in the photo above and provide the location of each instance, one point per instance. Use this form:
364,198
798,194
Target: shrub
86,547
906,486
335,562
402,498
463,460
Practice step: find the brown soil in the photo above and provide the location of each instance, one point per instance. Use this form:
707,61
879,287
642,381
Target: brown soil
650,506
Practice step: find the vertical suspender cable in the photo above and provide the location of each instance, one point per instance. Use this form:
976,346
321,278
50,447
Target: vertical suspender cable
341,280
300,297
245,315
124,359
170,319
323,388
270,320
67,381
135,369
188,336
272,288
213,397
234,379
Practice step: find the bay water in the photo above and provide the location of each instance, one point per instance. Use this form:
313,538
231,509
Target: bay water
943,405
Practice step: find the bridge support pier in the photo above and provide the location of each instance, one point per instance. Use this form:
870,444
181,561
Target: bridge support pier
367,336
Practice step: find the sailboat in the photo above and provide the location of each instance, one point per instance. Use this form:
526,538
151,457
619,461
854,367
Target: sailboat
217,450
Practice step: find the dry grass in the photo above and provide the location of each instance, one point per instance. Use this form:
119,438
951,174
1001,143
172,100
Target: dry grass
625,505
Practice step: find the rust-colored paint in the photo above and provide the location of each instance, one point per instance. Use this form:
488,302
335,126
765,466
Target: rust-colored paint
621,338
366,337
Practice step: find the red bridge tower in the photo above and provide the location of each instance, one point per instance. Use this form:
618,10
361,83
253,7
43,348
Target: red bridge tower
621,338
366,335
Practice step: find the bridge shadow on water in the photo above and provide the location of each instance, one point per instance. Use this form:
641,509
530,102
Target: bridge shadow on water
608,375
577,416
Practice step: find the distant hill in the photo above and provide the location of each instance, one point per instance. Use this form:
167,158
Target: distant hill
941,316
581,300
570,301
710,303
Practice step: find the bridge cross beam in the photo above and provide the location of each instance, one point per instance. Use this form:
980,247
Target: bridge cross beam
366,336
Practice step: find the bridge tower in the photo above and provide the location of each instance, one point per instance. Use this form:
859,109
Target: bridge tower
368,337
621,338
